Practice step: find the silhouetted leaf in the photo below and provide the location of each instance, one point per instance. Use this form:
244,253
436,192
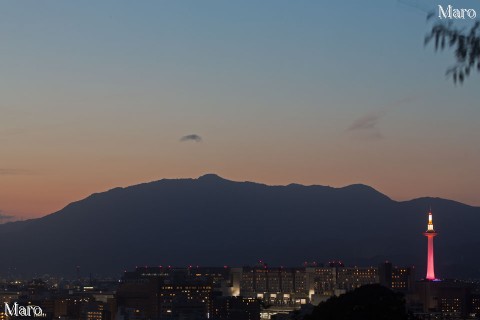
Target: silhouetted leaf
466,44
428,38
430,15
453,40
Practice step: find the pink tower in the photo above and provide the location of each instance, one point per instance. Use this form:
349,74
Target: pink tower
430,234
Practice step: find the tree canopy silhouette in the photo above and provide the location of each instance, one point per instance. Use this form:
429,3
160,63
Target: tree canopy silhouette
466,45
370,302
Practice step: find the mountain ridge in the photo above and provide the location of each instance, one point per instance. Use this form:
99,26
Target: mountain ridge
212,220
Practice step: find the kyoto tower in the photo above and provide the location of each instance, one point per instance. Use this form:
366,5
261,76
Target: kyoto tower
430,234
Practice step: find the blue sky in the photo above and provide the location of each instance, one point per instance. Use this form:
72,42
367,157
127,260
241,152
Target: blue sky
97,94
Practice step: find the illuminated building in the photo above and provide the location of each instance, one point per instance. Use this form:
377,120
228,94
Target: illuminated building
324,280
430,234
172,293
95,311
476,304
293,287
452,299
235,308
354,277
276,286
169,293
403,279
187,300
9,297
137,297
397,278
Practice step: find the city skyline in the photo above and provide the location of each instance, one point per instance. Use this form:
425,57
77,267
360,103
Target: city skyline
111,94
221,292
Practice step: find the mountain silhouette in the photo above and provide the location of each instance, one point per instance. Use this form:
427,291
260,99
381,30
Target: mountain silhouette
214,221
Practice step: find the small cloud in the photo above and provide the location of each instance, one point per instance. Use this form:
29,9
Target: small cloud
366,122
366,126
191,137
11,172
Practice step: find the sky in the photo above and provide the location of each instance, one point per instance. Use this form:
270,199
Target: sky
100,94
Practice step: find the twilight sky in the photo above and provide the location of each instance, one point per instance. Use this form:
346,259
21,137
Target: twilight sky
99,94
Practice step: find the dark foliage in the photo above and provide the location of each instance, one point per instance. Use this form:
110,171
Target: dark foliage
466,45
370,302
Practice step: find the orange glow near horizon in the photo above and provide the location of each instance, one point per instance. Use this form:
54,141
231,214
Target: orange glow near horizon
35,196
72,162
